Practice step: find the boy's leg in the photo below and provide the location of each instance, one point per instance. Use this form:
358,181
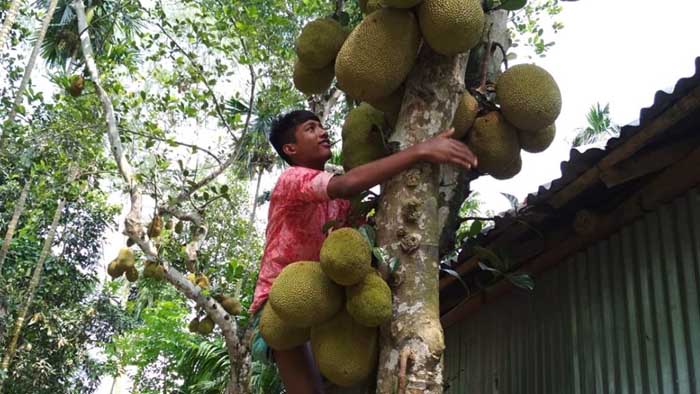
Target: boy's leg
298,371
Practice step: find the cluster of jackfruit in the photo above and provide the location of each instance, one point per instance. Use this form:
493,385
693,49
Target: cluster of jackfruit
316,49
124,264
337,304
530,102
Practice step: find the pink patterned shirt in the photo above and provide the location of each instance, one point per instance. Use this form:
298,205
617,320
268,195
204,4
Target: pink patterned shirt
299,207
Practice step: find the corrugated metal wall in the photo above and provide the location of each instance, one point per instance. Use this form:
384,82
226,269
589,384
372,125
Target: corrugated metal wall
620,317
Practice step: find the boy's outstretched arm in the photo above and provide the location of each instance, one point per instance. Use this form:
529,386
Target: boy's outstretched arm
440,149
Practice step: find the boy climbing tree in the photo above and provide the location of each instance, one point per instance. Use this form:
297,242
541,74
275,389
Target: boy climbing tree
303,200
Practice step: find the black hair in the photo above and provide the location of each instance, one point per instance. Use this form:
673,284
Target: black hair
282,130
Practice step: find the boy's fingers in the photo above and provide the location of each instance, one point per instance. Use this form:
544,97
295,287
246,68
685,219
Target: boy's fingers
447,133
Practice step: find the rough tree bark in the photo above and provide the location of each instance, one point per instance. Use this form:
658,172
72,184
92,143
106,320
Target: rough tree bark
12,226
454,182
135,229
10,17
31,291
407,226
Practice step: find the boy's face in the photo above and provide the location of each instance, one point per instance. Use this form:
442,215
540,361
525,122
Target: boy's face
312,147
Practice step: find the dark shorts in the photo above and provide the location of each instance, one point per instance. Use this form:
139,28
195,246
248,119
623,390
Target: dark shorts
260,351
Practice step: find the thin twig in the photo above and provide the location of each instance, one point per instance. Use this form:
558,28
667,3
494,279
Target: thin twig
175,142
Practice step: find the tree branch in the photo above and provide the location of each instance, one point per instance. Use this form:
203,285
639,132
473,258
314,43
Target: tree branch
175,142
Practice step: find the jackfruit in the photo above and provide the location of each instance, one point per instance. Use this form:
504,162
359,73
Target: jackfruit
77,83
193,326
451,26
345,351
400,3
391,105
114,269
125,259
205,326
508,171
202,281
155,228
494,142
278,334
319,42
132,275
362,136
529,97
231,305
304,296
310,81
378,54
346,256
369,302
153,270
537,141
466,112
369,6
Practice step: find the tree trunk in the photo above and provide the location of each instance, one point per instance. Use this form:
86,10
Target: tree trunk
32,61
454,182
31,291
8,22
407,226
19,208
135,229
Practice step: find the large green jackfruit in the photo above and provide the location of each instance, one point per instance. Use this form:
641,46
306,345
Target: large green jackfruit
114,269
304,296
345,351
278,334
466,112
346,256
508,171
494,142
378,54
125,259
310,81
390,105
537,141
400,3
319,42
451,26
362,136
529,97
369,6
369,302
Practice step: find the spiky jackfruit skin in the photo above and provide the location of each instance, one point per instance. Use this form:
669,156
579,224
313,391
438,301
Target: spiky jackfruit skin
529,97
494,142
132,275
231,305
278,334
303,296
451,26
319,42
369,302
378,54
362,136
310,81
193,326
114,269
153,270
508,171
205,326
345,351
466,112
125,259
537,141
346,256
390,105
400,3
369,6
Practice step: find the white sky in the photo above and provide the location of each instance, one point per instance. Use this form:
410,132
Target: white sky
619,51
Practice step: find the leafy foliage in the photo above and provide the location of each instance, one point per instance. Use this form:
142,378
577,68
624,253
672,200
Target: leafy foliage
600,126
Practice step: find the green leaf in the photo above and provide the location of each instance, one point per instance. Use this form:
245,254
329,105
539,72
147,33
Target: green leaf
488,255
368,232
487,268
523,280
457,276
475,228
513,5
